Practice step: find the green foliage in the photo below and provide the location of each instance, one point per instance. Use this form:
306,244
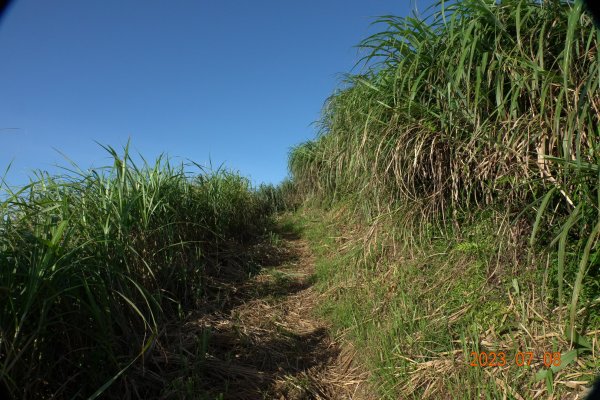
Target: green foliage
278,198
415,318
480,103
482,106
93,263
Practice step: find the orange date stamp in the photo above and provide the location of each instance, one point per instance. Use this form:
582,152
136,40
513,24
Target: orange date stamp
520,359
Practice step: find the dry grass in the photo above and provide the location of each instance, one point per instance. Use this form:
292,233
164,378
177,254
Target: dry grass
415,314
263,341
461,165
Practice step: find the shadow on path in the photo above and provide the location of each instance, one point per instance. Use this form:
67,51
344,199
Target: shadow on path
263,341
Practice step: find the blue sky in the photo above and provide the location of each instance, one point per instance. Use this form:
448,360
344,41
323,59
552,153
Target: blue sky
234,82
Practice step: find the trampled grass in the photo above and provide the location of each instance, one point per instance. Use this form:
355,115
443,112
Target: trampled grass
94,264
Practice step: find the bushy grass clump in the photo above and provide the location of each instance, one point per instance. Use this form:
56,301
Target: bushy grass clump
479,105
479,108
93,263
279,198
481,102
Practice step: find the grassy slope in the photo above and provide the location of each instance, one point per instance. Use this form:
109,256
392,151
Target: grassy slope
416,314
459,176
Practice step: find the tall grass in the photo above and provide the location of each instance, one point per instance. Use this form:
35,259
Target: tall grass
93,263
480,106
278,198
479,100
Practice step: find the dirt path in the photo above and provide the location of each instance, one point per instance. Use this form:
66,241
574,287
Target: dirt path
268,344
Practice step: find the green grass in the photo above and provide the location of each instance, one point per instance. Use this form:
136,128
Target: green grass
93,264
416,317
480,113
451,198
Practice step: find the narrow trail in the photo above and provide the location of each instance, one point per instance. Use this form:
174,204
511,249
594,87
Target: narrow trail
268,344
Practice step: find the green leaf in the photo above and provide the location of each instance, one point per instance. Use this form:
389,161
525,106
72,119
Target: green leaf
579,339
515,285
540,213
565,359
550,381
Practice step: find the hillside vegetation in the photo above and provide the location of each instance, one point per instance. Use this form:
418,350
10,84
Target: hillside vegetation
451,207
452,196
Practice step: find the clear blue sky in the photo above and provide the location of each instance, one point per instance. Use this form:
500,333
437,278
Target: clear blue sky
238,82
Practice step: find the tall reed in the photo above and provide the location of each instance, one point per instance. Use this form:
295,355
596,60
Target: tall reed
479,104
92,264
